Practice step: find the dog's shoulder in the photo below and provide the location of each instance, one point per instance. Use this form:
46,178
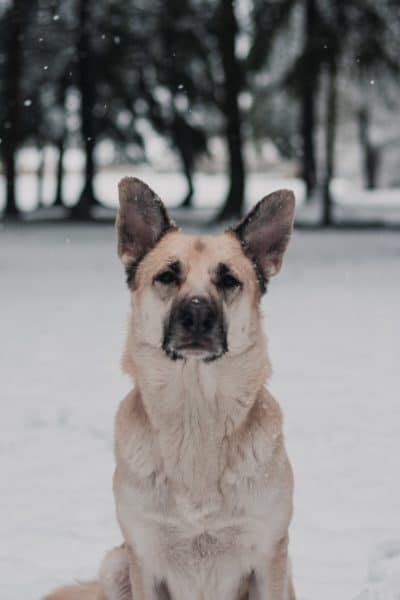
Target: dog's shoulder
256,452
261,432
134,443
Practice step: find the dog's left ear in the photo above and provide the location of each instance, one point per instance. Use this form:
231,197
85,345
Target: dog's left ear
141,220
265,231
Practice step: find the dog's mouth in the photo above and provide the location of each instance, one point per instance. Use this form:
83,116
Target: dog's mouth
194,347
202,350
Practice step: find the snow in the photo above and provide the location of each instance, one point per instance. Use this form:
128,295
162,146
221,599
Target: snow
333,327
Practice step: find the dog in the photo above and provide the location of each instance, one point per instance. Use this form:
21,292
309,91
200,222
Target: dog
203,486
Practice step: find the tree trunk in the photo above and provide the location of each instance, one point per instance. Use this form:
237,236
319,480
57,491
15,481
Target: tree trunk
40,176
87,89
188,172
309,92
370,154
62,138
330,135
182,139
308,144
16,21
58,197
227,31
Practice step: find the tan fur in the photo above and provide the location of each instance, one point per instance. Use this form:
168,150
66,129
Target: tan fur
80,591
203,486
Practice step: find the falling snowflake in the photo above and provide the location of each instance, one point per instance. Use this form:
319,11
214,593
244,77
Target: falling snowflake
28,102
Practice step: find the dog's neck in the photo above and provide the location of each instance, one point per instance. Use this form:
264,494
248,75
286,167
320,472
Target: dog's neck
193,406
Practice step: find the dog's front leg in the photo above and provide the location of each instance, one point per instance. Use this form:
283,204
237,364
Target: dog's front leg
114,580
272,578
143,584
122,577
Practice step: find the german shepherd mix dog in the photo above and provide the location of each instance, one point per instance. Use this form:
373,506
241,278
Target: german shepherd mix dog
203,486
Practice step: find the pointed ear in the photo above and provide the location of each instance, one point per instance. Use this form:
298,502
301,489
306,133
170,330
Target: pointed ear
265,232
141,220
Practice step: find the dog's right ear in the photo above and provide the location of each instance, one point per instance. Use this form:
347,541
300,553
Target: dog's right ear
265,232
141,220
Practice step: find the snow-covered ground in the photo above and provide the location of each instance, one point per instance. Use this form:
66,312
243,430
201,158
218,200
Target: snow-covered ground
332,318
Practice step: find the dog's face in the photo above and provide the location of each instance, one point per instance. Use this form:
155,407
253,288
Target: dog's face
197,296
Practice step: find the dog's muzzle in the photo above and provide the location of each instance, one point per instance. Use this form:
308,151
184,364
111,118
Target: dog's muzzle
195,328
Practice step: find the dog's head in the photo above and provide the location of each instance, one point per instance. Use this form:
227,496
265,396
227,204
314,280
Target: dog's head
197,296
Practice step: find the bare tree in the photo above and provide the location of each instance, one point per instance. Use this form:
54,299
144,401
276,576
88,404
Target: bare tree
14,26
227,30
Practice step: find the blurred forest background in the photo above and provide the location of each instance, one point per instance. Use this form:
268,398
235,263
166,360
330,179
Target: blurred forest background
304,89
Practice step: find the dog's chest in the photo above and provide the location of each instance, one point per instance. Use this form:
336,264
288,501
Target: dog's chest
203,550
194,536
172,523
194,508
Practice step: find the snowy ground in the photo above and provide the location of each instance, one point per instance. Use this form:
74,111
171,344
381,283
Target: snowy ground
332,318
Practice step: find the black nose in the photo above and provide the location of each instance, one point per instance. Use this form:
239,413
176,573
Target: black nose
197,316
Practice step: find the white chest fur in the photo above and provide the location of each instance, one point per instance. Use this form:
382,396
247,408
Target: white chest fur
202,488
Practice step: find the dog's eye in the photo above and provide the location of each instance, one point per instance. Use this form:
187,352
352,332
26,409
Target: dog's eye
166,277
228,282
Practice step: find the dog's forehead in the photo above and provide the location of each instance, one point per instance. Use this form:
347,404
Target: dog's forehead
205,251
